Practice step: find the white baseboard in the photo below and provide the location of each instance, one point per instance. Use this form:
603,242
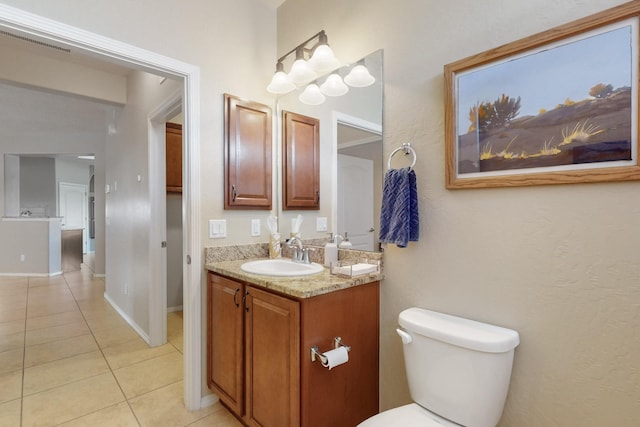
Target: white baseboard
57,273
172,309
208,400
127,319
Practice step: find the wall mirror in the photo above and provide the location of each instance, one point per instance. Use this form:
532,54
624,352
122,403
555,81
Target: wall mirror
351,160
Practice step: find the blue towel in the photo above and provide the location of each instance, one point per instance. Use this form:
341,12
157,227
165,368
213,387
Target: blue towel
399,222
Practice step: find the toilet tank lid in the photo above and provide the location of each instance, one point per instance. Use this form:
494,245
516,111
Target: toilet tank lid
459,331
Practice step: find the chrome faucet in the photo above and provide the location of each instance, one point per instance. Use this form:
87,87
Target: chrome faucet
300,254
297,250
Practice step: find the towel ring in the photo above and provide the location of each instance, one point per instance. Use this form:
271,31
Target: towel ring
406,148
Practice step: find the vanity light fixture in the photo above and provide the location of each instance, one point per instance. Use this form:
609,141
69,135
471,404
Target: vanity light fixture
321,60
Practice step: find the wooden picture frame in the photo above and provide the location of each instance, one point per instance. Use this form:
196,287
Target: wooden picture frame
516,116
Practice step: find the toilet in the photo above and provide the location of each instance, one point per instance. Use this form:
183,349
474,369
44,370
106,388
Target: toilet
458,371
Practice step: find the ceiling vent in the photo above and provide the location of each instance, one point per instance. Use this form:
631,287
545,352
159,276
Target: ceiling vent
38,42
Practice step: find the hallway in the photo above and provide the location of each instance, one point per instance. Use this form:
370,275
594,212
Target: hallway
67,358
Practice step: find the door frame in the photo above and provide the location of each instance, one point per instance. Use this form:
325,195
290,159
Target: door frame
85,209
40,28
158,202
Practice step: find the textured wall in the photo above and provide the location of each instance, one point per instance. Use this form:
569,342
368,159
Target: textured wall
557,263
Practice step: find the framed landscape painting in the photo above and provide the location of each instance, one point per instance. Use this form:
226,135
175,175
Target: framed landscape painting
557,107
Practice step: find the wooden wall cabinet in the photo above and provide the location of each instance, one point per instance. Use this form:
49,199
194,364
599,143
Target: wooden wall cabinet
300,162
272,382
247,152
174,157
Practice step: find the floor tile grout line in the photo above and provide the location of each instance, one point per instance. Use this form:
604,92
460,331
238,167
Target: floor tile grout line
90,413
115,378
100,348
24,352
65,384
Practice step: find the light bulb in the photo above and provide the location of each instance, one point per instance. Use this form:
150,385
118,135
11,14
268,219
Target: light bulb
312,95
280,83
359,77
323,59
334,86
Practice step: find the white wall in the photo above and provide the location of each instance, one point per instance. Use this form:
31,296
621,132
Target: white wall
233,44
128,202
557,263
38,185
47,131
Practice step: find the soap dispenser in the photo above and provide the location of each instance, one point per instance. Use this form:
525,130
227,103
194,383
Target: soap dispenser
330,252
345,244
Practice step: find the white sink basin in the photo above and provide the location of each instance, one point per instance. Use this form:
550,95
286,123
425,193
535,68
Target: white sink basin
280,267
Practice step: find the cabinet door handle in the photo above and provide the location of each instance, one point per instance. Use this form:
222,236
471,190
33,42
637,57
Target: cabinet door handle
234,193
317,197
244,301
234,297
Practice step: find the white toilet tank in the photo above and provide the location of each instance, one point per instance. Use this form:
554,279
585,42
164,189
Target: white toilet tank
457,368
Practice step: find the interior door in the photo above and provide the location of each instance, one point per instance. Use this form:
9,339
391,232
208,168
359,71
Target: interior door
72,207
355,201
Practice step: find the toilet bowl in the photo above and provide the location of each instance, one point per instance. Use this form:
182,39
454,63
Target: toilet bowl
458,371
412,415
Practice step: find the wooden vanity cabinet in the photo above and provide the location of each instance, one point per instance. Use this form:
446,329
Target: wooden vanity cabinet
282,387
272,360
225,346
252,352
247,152
300,162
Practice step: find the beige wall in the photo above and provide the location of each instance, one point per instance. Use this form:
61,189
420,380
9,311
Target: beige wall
557,263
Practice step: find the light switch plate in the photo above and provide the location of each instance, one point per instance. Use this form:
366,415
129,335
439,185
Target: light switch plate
321,223
255,227
217,228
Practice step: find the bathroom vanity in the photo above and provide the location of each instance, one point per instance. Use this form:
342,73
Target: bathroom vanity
260,335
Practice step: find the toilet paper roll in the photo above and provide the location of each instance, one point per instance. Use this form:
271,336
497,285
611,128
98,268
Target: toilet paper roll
336,357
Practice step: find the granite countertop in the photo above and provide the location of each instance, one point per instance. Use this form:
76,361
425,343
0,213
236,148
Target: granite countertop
299,286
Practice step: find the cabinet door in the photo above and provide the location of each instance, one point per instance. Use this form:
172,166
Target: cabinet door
301,162
174,157
248,142
225,321
272,343
347,394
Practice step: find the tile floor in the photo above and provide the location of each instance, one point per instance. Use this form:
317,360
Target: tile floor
68,359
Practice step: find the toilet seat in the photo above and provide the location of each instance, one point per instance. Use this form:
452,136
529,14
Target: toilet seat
412,415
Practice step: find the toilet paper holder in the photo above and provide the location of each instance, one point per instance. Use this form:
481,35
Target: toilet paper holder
315,353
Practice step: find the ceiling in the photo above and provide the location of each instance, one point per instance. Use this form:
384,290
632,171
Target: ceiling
37,110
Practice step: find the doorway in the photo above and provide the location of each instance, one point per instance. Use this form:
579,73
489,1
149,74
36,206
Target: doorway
73,204
36,27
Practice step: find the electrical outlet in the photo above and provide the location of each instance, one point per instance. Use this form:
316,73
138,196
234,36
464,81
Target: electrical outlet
321,223
255,227
22,257
217,228
126,289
